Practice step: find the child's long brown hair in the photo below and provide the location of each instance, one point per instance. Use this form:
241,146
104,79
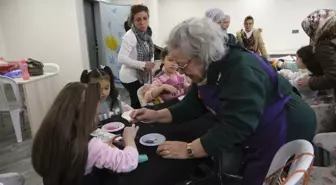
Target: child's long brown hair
60,147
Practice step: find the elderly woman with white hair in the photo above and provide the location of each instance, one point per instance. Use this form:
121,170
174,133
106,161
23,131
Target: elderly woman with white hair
219,17
254,108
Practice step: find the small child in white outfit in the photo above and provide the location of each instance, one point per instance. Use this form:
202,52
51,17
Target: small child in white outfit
304,57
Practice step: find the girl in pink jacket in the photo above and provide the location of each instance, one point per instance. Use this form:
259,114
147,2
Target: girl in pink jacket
63,150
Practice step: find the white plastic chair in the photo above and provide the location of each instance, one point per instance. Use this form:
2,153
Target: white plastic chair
303,163
326,141
325,175
50,68
141,97
14,107
11,179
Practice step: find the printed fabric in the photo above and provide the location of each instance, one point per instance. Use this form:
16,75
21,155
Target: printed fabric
177,80
145,50
320,25
248,41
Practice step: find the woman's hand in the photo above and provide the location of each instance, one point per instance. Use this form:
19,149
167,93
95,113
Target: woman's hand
144,115
178,150
304,82
149,66
173,150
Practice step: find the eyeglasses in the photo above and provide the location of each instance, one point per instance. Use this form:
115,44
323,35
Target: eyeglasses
183,67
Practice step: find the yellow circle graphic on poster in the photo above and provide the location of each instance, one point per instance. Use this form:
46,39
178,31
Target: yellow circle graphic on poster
111,42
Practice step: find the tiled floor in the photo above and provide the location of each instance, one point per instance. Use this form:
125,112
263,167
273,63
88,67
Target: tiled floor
15,157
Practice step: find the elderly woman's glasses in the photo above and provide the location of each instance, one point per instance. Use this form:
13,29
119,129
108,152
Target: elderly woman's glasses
184,66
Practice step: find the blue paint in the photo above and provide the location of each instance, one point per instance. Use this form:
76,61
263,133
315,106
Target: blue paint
118,49
112,60
121,34
116,80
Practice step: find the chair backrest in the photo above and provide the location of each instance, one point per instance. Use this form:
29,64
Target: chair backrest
4,103
326,141
141,97
12,179
303,163
50,68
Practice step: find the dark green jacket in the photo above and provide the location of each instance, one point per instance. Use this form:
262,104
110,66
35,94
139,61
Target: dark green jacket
245,90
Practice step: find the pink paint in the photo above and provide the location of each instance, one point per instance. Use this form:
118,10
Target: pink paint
111,127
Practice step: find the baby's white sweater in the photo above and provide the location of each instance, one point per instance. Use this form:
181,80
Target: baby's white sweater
294,77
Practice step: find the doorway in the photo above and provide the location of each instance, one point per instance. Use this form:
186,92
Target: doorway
91,34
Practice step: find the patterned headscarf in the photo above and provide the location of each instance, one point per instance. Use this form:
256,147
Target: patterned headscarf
216,14
320,25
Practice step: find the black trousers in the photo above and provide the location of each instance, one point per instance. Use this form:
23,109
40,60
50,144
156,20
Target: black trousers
132,89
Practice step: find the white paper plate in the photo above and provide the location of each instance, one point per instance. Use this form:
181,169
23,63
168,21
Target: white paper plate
118,126
103,135
181,98
155,137
127,115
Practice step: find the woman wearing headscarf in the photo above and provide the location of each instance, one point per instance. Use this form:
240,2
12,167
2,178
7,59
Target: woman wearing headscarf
320,26
254,110
251,38
219,17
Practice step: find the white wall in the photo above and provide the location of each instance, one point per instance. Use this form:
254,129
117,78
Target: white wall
2,43
46,30
277,18
153,13
54,31
51,31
